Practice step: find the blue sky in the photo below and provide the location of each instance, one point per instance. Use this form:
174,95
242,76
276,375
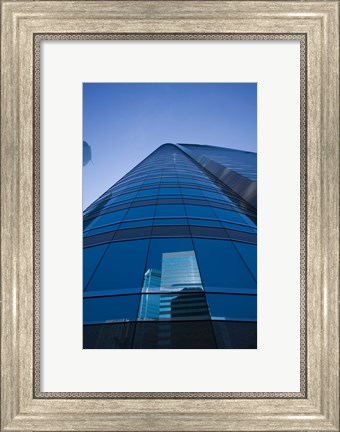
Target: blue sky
124,122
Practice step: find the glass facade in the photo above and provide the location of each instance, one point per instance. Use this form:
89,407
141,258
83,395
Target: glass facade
169,258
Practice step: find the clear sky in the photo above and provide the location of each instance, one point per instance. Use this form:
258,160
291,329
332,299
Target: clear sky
124,122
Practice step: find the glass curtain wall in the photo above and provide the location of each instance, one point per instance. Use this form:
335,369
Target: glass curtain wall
169,259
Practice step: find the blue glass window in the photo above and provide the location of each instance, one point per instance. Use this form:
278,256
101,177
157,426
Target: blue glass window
105,228
169,191
200,211
136,223
249,254
140,212
216,196
110,309
232,307
192,191
133,233
91,258
247,220
170,221
228,215
169,180
106,219
151,182
174,210
187,180
171,231
121,267
221,266
147,192
205,222
239,227
122,197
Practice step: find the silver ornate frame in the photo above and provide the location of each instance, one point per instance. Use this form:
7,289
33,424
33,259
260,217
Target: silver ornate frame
303,234
25,25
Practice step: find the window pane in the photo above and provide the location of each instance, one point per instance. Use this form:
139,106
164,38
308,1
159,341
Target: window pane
191,191
228,215
216,196
160,246
147,192
136,223
249,254
221,265
205,222
248,221
91,258
186,335
239,227
200,211
169,191
133,233
108,336
209,231
100,230
183,305
122,197
173,210
121,267
140,212
232,307
174,221
235,335
97,239
106,219
110,309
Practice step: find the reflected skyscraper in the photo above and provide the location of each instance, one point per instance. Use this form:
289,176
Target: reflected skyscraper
180,271
170,253
179,274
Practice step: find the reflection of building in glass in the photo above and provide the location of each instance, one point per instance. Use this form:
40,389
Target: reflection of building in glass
170,253
152,279
179,271
177,291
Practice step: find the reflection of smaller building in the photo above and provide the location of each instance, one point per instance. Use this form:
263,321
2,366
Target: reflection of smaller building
170,300
175,292
152,279
189,304
149,304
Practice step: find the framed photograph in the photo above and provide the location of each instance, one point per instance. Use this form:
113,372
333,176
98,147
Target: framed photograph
170,215
169,251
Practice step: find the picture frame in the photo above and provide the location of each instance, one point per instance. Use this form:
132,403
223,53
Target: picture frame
24,25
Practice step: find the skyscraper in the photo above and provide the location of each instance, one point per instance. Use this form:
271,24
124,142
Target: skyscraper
170,253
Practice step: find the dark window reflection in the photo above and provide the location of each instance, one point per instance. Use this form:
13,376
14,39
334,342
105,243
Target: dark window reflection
108,336
98,310
235,335
172,334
